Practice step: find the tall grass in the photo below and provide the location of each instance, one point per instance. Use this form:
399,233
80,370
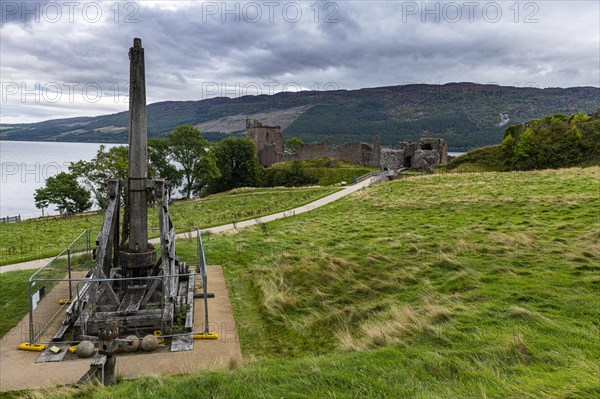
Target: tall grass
501,268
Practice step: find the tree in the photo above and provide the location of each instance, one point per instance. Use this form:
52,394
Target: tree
189,149
237,163
95,174
64,191
555,141
293,144
159,165
208,175
41,202
290,175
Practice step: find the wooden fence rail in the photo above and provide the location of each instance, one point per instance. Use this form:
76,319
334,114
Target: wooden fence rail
10,219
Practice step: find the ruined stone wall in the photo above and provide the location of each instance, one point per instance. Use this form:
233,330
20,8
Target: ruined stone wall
356,153
314,150
443,150
270,148
422,155
268,155
376,157
391,158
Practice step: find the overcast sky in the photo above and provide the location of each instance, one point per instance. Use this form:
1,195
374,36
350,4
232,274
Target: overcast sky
69,58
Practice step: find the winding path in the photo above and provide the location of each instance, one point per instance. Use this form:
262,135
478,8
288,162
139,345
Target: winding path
36,264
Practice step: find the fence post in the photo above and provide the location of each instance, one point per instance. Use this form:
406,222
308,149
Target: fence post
30,312
199,249
87,241
205,292
69,271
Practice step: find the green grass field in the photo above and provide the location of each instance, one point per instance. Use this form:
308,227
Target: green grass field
439,286
39,238
329,171
14,303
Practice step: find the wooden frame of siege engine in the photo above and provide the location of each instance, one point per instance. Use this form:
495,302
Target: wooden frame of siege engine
131,287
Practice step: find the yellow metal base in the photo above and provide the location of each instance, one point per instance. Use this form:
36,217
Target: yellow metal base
26,346
157,335
209,335
64,301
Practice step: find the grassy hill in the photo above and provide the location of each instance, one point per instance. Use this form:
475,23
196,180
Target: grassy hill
466,115
555,141
438,286
45,237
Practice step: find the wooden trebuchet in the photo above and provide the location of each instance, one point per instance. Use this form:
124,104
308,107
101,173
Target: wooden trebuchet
130,288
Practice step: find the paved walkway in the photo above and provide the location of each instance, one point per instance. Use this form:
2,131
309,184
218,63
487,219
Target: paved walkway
36,264
18,369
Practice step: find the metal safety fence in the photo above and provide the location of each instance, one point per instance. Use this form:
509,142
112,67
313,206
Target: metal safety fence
56,291
367,176
54,282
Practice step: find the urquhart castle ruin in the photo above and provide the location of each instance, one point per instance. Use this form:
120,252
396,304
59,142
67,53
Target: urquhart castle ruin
423,155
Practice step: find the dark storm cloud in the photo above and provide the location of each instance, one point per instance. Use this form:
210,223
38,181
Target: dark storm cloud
190,45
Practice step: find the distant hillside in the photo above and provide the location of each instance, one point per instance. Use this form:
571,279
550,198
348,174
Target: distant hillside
466,115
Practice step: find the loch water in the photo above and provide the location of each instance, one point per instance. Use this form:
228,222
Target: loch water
25,167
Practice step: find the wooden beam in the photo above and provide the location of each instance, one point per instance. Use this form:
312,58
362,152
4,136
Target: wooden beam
151,290
132,300
106,234
189,317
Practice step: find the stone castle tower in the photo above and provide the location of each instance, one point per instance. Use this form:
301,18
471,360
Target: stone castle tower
264,136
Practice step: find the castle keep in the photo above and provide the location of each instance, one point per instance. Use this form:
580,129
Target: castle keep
422,155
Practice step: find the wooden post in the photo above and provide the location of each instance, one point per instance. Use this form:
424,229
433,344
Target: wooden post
138,157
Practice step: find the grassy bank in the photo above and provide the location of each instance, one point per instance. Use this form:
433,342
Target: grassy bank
473,245
440,286
485,159
44,237
496,273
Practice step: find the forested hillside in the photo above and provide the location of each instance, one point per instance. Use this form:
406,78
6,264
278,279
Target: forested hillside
466,115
